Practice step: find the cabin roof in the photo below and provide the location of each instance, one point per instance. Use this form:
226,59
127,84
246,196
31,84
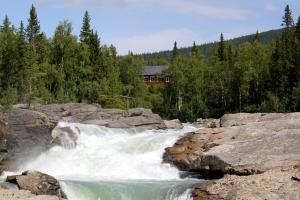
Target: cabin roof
153,70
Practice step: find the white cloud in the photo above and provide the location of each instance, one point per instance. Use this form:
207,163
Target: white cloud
193,7
270,7
158,41
198,8
85,4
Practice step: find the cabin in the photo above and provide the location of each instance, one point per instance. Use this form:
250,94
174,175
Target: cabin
155,75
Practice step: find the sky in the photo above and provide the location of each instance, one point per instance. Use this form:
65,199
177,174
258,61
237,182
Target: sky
153,25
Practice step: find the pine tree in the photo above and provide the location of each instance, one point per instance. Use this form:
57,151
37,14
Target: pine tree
8,55
221,49
256,37
297,31
195,51
86,28
33,28
288,21
175,51
21,50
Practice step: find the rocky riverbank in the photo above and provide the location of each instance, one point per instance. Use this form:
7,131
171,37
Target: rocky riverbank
252,156
25,133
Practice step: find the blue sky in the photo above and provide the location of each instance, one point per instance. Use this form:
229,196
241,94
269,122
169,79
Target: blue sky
153,25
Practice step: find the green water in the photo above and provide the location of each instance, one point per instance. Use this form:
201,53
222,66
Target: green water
129,190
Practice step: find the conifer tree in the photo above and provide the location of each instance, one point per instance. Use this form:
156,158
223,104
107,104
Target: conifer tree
86,31
33,28
196,51
221,49
21,51
256,37
175,51
297,30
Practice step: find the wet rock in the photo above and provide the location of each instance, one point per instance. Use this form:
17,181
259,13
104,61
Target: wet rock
65,136
37,183
173,124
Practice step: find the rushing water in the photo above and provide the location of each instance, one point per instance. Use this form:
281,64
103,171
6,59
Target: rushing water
116,164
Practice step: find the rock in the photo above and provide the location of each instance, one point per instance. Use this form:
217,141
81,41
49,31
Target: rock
96,122
6,194
65,135
3,142
28,135
296,176
209,123
239,119
274,184
173,124
252,148
88,114
3,129
37,183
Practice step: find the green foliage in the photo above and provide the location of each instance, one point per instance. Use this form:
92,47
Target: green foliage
9,98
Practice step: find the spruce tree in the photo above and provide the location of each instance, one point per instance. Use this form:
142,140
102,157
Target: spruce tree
221,49
175,51
85,32
195,50
256,37
21,50
33,28
297,30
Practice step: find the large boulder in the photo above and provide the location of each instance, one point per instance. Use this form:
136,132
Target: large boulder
28,135
93,114
65,135
251,148
37,183
173,124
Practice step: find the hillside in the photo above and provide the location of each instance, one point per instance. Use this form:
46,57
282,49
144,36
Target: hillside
265,37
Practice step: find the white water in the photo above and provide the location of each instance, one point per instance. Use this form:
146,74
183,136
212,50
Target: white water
110,164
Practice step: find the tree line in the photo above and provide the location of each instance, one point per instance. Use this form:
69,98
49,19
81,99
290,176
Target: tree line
252,77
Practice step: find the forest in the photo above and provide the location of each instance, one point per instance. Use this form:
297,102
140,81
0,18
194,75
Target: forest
251,77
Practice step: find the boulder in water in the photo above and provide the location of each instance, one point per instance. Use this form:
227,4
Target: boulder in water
37,183
173,124
65,136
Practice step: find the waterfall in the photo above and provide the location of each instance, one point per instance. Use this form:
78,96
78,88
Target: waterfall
116,164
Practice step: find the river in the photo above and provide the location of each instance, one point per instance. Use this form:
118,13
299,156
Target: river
116,164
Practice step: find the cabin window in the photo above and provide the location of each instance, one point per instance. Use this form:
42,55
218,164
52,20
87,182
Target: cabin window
146,78
152,78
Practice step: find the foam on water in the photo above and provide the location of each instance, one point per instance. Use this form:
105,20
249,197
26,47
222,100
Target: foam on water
110,164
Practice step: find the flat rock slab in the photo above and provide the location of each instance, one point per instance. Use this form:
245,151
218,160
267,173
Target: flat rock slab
275,184
251,148
6,194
